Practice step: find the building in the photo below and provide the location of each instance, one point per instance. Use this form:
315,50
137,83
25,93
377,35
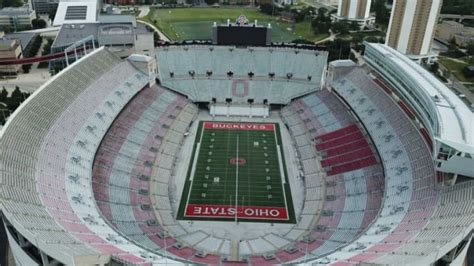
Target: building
26,40
120,33
16,18
449,30
77,11
412,26
354,10
44,6
10,49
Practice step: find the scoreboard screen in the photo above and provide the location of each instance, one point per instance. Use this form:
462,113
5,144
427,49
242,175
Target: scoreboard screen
241,35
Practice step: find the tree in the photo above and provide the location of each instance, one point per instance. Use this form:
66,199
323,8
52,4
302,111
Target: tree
47,47
38,23
357,39
322,22
52,14
381,12
308,11
156,38
322,11
26,68
468,72
341,27
10,3
15,99
211,2
3,94
302,41
470,48
372,39
267,9
339,49
434,67
354,26
461,7
16,94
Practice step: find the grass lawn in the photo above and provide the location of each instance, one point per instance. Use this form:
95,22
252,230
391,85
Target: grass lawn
237,172
456,68
195,23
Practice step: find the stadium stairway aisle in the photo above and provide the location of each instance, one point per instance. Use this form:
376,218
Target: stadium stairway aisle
124,164
353,181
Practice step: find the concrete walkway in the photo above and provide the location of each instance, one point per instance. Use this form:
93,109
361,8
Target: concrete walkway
40,50
331,38
144,10
162,36
27,82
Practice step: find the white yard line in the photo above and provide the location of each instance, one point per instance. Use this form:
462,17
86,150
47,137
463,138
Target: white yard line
282,172
237,180
193,169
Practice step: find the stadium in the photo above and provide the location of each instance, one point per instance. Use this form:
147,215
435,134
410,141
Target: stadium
229,155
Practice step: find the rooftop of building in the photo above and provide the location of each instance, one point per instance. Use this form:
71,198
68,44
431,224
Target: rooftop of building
109,19
24,37
8,45
76,11
16,11
70,33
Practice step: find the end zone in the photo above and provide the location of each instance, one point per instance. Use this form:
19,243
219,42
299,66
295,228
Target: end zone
243,212
239,126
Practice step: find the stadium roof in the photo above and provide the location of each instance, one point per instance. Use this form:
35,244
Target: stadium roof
76,11
455,118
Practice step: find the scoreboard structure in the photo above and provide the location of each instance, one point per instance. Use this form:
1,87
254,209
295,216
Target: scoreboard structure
241,33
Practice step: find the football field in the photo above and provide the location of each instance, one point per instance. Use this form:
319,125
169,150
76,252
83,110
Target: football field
237,173
180,24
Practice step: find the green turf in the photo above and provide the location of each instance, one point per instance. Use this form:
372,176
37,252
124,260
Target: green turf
456,68
217,147
195,23
202,30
